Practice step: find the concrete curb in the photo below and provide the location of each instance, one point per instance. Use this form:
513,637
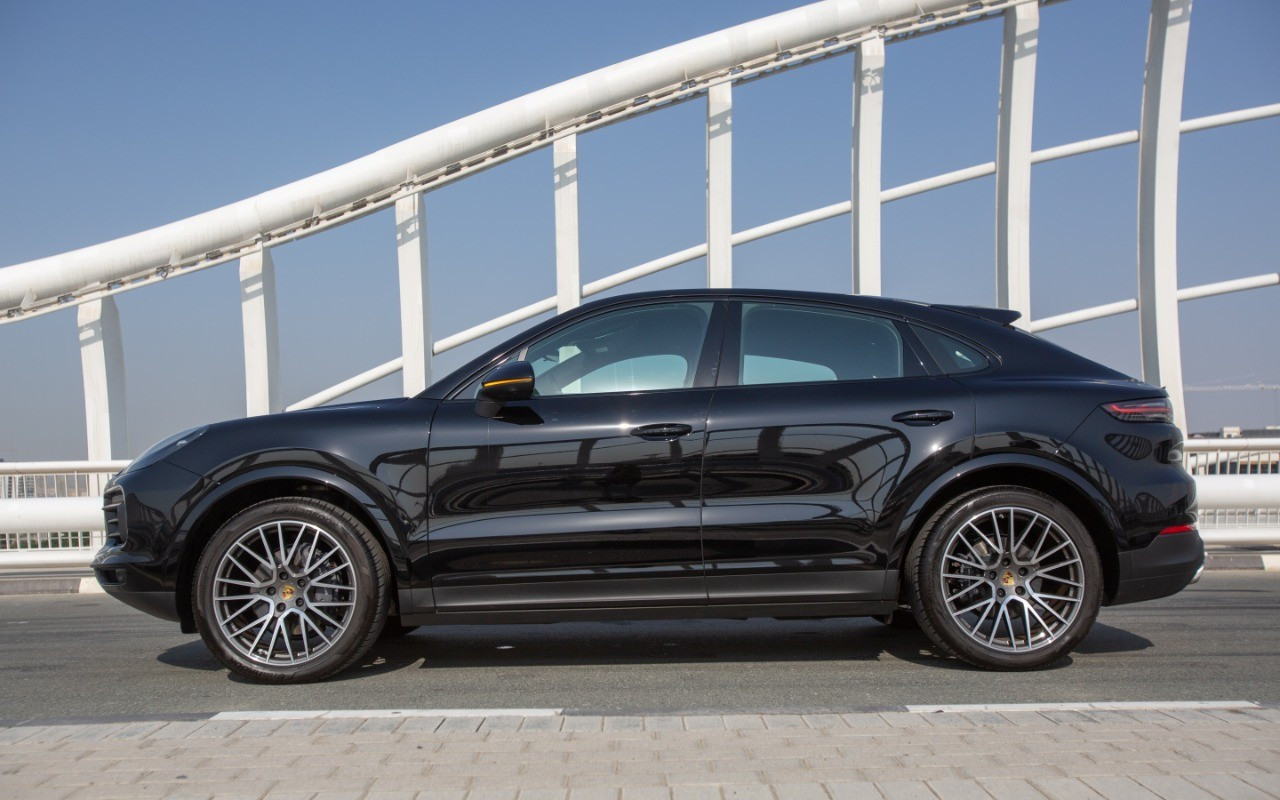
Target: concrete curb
20,585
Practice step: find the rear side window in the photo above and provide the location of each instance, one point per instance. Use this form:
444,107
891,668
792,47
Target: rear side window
801,344
952,355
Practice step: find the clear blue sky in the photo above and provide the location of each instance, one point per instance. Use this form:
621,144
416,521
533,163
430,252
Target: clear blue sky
116,117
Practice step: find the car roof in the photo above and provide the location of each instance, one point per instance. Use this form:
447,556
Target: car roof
941,314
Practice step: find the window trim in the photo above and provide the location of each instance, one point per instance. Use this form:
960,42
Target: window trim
704,375
913,366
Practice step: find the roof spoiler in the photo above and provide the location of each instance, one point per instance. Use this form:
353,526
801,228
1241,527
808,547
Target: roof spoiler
1000,316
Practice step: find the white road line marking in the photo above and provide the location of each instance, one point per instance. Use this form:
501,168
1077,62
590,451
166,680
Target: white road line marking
381,713
1271,562
1176,705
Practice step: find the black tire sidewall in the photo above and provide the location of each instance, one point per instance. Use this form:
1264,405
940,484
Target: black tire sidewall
929,594
371,600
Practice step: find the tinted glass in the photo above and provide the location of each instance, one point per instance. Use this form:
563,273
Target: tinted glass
801,344
649,348
953,356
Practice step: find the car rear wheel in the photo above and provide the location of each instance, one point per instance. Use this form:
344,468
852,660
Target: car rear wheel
291,590
1005,578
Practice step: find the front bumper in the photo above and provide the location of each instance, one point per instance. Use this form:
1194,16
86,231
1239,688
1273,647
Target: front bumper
1164,567
128,578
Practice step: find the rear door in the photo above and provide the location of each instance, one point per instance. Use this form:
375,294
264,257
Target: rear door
820,415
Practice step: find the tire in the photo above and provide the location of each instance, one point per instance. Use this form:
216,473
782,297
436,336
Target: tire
305,622
394,630
1005,578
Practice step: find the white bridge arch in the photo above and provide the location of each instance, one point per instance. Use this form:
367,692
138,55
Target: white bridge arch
704,69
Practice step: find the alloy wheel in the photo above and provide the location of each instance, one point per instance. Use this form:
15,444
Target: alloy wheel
1012,579
284,592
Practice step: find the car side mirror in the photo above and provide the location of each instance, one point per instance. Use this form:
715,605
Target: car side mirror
507,383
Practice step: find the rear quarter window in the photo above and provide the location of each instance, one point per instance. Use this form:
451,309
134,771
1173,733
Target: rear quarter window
951,355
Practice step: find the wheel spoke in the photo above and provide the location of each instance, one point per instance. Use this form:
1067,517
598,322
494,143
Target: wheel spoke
249,550
326,617
1059,565
267,548
995,546
1061,580
248,572
316,580
316,628
1013,548
238,583
1048,608
239,631
1044,625
965,561
1054,550
987,602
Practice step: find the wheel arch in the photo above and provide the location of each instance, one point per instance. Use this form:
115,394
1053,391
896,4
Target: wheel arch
1036,473
245,490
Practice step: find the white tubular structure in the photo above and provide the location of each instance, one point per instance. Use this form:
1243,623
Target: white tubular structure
702,69
290,210
1013,159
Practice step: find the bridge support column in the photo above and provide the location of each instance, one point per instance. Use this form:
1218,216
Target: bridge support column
565,189
261,333
415,294
1013,159
868,115
102,364
720,186
1158,139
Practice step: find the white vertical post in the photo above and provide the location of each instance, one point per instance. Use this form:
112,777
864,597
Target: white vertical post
415,293
565,189
102,364
1013,159
868,115
261,333
1158,199
720,186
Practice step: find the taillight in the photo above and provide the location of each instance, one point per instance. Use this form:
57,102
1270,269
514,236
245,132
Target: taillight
1179,529
1155,410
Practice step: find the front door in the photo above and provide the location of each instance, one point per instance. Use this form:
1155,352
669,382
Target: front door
806,446
586,495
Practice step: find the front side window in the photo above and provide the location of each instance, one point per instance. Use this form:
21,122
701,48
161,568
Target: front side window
783,343
649,348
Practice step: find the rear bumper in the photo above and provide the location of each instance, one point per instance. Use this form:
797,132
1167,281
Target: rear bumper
1164,567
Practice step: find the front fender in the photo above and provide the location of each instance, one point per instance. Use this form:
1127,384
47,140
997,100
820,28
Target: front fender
378,507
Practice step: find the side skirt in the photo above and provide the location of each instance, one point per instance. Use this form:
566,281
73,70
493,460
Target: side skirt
868,608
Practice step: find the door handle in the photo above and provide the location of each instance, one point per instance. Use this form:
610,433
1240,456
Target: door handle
662,431
926,416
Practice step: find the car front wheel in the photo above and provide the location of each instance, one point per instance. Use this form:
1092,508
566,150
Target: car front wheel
1005,578
291,590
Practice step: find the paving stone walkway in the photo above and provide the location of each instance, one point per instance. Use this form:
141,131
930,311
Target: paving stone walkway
1228,754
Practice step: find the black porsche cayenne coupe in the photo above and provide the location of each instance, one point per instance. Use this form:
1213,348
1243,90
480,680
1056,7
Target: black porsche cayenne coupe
678,454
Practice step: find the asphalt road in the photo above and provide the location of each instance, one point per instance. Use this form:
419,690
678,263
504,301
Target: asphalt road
65,656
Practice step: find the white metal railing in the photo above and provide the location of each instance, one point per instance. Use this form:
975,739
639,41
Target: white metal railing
52,506
1240,463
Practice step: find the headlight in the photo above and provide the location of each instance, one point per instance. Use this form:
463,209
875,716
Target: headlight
165,448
